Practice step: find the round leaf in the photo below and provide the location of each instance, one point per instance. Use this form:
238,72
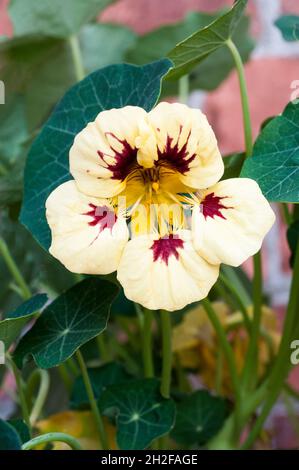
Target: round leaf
75,317
53,17
199,417
190,52
274,164
209,73
100,378
142,414
289,27
11,326
9,438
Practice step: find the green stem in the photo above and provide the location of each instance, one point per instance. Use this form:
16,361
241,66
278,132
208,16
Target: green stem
225,438
184,89
147,343
92,401
72,366
293,419
166,353
251,363
3,170
238,299
234,280
20,389
219,372
121,351
52,437
102,347
77,57
44,384
226,347
64,374
282,364
244,96
14,270
182,381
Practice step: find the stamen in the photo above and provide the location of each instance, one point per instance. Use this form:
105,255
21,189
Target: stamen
156,186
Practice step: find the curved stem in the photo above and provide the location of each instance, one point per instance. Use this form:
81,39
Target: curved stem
251,362
244,96
44,384
147,343
250,369
166,353
230,274
77,57
19,384
282,364
184,89
14,270
72,366
102,347
225,438
238,299
92,401
227,350
52,437
65,377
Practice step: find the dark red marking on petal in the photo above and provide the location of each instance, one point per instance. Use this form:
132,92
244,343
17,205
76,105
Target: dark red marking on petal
124,160
178,159
212,205
102,216
165,247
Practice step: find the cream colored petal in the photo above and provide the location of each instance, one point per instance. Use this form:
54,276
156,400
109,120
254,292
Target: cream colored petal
86,236
187,143
105,151
232,234
156,284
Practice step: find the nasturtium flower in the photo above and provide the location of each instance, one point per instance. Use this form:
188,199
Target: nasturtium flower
145,201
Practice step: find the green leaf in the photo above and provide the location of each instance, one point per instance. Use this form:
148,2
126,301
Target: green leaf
53,17
22,429
208,74
42,272
9,438
13,129
100,377
142,414
233,165
37,70
13,138
275,160
12,325
289,27
190,52
47,164
75,317
123,306
105,44
293,239
199,417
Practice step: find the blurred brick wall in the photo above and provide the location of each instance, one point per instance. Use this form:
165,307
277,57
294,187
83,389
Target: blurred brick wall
145,15
267,96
